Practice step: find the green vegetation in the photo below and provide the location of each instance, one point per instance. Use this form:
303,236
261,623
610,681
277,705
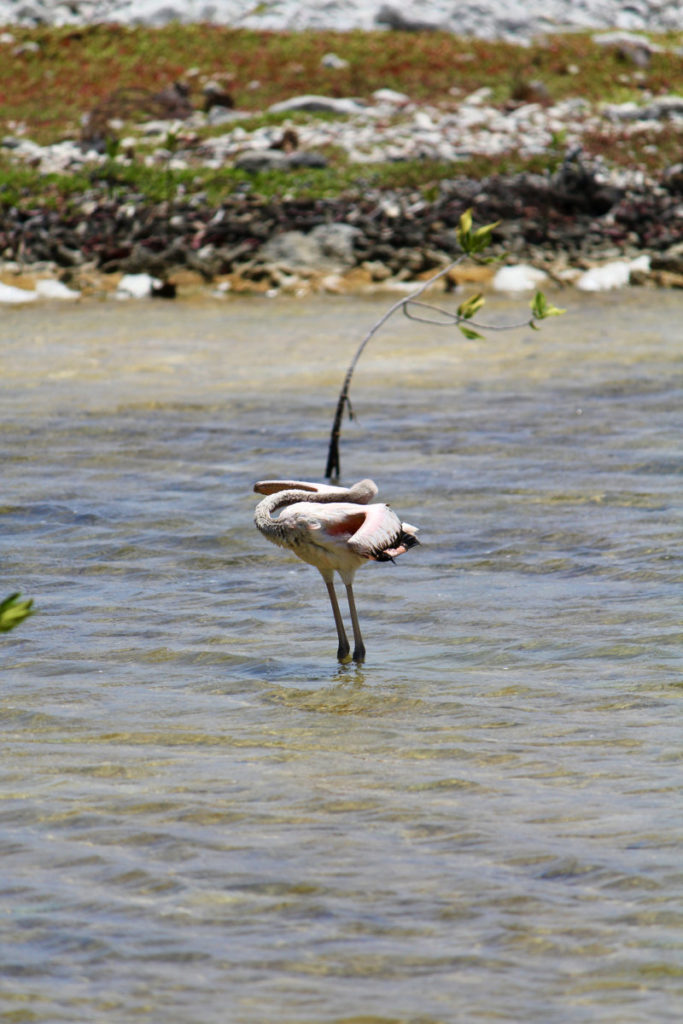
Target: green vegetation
24,186
73,68
51,77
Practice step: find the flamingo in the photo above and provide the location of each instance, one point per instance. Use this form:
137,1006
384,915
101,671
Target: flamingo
335,529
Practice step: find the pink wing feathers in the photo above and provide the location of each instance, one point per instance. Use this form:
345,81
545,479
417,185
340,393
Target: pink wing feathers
382,536
368,531
374,531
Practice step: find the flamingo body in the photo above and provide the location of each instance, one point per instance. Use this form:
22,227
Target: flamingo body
336,529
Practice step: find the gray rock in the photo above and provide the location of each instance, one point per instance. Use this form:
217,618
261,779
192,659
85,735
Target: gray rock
391,96
668,106
223,115
624,41
318,104
28,47
331,60
326,247
673,178
255,160
335,242
298,160
659,109
293,249
378,271
671,259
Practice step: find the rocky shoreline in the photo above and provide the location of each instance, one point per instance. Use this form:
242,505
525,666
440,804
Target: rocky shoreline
561,226
562,223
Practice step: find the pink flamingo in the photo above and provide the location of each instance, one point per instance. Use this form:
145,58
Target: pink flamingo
334,529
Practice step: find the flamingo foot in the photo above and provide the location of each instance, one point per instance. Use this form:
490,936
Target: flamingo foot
344,654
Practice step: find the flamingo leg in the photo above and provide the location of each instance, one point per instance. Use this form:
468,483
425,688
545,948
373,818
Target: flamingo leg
343,649
358,645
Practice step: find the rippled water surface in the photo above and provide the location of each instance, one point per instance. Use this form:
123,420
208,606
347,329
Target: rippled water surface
204,818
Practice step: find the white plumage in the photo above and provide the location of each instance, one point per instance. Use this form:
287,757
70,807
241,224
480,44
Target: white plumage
336,529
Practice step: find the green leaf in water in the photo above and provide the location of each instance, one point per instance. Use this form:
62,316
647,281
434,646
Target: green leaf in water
13,611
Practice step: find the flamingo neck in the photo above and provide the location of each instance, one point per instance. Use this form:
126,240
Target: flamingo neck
360,494
269,525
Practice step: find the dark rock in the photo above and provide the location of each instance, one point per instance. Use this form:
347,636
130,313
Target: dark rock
524,91
288,141
66,256
670,260
564,217
673,179
577,189
394,19
634,53
215,96
165,290
255,160
173,102
314,160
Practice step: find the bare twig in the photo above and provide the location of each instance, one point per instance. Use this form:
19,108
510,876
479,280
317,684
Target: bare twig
452,318
473,242
333,467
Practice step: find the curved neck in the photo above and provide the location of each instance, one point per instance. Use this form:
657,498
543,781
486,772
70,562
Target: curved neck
268,524
360,493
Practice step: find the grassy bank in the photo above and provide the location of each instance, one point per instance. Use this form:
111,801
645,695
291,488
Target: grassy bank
51,78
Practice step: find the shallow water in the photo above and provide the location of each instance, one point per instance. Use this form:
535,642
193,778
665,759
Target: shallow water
204,818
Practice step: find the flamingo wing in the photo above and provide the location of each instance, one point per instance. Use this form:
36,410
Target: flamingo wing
360,494
320,534
273,486
373,532
336,521
382,536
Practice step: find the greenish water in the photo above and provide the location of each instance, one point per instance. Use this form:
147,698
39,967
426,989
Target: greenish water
204,818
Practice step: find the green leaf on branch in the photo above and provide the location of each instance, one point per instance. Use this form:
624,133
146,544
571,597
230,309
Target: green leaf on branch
482,236
465,226
468,308
13,611
473,242
541,308
470,334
